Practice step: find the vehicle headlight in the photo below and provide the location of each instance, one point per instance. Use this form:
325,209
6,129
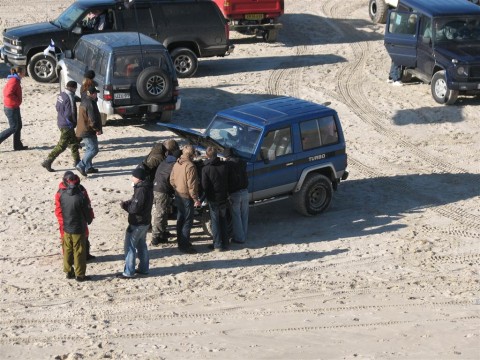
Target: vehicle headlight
462,71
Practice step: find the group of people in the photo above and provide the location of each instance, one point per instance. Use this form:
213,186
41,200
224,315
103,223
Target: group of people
166,173
76,126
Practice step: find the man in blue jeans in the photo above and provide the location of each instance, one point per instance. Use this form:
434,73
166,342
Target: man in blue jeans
139,209
239,199
184,180
215,186
89,126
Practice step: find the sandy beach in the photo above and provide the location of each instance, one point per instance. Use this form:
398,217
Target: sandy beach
390,271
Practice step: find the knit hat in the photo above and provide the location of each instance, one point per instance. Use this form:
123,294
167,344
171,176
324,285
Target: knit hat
70,178
71,84
139,173
89,74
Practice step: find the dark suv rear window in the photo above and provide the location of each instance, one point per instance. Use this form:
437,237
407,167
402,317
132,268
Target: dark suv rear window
131,65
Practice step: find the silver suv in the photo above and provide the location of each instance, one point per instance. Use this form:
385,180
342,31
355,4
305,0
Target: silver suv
134,73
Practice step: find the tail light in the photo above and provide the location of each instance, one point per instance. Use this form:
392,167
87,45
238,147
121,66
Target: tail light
107,92
176,91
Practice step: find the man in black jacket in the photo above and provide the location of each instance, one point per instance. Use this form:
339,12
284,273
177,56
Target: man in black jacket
214,183
239,199
162,193
76,215
139,209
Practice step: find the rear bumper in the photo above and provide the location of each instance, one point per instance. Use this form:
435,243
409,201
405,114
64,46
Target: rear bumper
107,108
263,27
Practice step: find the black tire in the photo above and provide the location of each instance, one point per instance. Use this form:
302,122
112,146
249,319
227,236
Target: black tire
185,62
153,84
270,36
41,68
315,195
378,10
440,91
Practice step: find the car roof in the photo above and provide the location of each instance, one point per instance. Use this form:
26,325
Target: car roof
442,7
112,40
275,111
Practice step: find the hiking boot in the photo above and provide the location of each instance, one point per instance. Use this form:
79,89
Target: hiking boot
82,279
47,164
92,170
188,250
81,170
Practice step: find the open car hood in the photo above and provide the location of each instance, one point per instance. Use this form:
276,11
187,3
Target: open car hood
193,137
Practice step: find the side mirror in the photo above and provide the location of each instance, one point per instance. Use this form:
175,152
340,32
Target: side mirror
77,30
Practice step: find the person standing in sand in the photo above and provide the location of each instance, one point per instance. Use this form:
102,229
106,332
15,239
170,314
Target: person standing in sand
76,216
184,180
139,209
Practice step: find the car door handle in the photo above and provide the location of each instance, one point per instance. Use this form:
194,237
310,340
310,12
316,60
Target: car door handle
289,164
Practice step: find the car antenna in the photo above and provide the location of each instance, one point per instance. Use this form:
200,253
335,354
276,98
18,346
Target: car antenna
128,4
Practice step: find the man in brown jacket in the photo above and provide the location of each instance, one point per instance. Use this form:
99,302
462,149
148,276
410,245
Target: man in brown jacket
89,125
184,179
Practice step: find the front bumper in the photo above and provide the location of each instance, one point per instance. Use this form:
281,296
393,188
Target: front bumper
15,60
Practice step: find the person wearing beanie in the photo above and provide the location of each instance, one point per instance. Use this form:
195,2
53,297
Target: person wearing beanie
163,193
58,210
66,122
76,215
139,209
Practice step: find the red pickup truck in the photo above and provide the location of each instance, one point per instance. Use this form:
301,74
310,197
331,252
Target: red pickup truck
259,17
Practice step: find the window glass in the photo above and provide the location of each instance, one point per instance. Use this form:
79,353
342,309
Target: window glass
318,132
102,70
277,143
145,20
403,23
80,51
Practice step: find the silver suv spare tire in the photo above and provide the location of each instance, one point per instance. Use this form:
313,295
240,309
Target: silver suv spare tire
153,84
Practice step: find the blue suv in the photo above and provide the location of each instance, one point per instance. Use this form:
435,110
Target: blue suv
293,148
437,42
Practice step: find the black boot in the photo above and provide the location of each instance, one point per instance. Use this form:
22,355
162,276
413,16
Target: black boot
47,164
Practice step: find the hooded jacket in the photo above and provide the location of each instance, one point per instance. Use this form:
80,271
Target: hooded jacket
66,110
184,178
12,92
89,120
215,180
58,208
75,210
139,207
162,176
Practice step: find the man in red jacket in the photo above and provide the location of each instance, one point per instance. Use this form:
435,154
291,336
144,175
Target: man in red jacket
58,210
12,99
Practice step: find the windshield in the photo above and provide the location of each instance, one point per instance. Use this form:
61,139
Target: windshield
229,133
457,29
69,17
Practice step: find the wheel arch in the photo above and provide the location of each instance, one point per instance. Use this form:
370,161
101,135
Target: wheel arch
328,170
184,44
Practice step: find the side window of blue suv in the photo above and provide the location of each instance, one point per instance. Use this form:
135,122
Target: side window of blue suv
318,132
277,143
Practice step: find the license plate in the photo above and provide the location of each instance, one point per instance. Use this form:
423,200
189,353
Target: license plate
253,16
121,96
